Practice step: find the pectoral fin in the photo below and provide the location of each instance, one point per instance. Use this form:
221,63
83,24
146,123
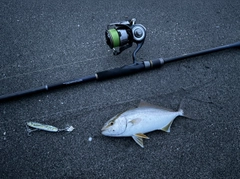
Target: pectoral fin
135,121
138,138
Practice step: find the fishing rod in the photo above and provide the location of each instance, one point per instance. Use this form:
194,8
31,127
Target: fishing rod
120,36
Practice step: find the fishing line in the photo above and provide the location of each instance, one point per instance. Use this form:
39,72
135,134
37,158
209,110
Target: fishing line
55,67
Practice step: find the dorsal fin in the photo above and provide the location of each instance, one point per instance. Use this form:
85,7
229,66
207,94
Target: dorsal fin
146,104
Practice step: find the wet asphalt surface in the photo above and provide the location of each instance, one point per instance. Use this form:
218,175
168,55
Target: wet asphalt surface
44,42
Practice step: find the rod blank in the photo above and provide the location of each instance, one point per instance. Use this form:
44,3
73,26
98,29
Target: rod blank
46,88
203,52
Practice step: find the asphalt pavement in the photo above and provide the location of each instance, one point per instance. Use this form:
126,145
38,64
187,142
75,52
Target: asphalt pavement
45,42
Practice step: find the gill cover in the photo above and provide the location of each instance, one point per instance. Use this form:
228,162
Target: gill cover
115,126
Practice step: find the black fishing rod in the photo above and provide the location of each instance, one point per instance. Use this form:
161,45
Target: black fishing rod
120,36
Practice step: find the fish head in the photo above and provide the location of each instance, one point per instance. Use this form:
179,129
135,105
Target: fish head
115,127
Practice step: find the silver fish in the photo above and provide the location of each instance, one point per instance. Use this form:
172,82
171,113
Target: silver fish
138,121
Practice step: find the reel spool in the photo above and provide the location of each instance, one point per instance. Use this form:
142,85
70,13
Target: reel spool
121,35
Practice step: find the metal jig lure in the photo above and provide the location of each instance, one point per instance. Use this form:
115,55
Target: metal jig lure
45,127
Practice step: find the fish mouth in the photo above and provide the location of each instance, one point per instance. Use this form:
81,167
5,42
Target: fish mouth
104,131
105,127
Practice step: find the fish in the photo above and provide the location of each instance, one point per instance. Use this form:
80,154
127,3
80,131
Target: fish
138,121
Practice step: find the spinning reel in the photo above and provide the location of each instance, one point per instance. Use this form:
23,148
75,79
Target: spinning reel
121,35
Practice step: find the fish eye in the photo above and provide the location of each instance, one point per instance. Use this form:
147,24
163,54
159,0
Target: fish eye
111,123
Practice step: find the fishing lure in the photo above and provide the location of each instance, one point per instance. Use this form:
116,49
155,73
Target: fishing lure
49,128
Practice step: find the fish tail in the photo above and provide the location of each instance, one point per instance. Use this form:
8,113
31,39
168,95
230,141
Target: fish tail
180,108
180,111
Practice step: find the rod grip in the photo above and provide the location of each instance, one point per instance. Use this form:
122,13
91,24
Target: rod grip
122,71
